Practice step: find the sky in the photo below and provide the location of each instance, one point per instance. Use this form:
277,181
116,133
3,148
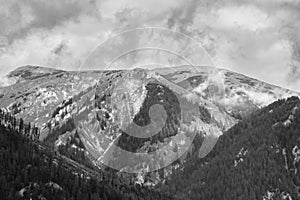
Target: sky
258,38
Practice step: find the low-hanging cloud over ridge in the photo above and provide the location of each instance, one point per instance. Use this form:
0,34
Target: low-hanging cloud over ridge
257,38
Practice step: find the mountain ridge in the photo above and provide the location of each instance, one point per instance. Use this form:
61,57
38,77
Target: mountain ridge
258,158
60,102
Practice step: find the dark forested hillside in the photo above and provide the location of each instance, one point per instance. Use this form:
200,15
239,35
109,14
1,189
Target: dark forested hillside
29,170
256,159
160,95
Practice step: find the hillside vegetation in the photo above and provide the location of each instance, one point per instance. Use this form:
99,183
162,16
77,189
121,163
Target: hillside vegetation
258,158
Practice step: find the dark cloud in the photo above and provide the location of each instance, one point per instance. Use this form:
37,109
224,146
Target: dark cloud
128,18
183,16
22,17
290,29
296,50
294,67
60,48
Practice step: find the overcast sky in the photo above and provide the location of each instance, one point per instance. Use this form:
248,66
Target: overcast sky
259,38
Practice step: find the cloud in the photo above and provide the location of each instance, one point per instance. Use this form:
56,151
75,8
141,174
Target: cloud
60,48
31,32
294,67
247,36
257,38
18,18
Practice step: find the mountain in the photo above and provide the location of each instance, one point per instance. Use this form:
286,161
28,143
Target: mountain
38,87
31,170
38,91
258,158
31,72
88,114
25,73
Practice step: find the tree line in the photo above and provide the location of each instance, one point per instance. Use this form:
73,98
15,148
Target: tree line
31,170
253,159
28,130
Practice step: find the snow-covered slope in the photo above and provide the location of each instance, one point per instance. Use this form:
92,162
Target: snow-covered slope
237,93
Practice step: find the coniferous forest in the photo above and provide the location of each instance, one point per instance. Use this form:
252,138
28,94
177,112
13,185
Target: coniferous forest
258,158
31,170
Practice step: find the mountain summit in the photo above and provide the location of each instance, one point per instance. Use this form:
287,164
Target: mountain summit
30,72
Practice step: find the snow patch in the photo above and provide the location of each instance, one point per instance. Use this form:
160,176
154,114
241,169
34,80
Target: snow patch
240,156
54,185
5,81
291,117
260,98
296,154
285,159
274,194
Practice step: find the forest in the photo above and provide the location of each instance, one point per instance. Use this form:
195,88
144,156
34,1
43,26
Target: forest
31,170
258,158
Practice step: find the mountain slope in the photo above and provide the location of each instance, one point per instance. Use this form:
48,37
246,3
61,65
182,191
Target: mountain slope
86,114
39,91
31,170
24,73
44,89
235,92
258,158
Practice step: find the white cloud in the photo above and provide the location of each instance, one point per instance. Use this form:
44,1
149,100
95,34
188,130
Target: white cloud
245,17
257,38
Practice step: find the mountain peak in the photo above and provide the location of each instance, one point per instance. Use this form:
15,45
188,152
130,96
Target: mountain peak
32,69
30,72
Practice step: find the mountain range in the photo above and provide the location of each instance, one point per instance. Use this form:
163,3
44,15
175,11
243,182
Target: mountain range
92,116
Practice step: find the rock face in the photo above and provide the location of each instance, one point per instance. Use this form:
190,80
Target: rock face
140,111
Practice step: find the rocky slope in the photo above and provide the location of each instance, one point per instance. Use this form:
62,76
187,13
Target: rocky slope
37,92
93,111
